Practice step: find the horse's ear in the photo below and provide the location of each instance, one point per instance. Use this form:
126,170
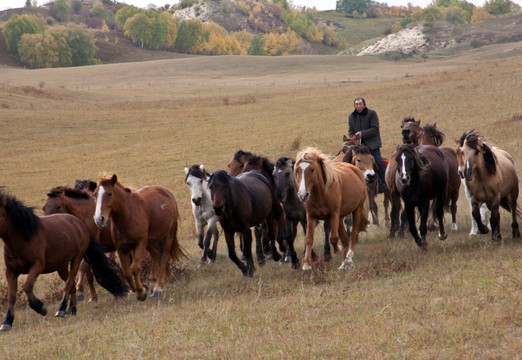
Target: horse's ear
186,170
92,186
202,167
417,122
345,139
114,179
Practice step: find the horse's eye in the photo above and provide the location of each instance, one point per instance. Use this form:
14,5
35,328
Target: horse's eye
312,170
358,160
109,194
201,181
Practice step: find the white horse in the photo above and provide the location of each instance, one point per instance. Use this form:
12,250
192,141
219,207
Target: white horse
197,180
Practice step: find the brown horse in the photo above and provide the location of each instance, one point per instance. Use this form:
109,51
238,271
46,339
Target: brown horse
491,178
348,143
81,204
40,245
331,191
361,157
141,218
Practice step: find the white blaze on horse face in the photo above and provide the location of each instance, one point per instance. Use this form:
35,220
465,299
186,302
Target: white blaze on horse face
97,213
403,169
302,185
195,186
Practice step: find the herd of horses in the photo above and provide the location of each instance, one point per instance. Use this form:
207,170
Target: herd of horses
82,223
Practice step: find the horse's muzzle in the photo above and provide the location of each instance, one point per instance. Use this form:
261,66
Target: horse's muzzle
197,201
370,178
100,221
303,197
466,174
218,210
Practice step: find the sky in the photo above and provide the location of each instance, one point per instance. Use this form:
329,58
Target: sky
319,4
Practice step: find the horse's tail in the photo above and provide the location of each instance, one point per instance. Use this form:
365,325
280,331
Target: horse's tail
104,274
177,253
365,220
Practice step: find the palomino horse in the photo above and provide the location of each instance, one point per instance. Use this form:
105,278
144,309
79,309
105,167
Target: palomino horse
361,157
331,190
81,204
197,180
40,245
490,178
430,135
295,212
241,203
421,176
141,218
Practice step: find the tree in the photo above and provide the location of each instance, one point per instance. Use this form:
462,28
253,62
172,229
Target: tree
62,9
191,35
125,13
349,6
501,7
455,15
165,31
81,42
16,27
257,46
139,28
40,50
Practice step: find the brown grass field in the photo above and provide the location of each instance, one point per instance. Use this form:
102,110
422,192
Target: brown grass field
145,121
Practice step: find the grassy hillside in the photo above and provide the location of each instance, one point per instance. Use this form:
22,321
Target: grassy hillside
145,121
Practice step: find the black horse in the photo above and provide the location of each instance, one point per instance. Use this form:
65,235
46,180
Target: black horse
421,177
241,203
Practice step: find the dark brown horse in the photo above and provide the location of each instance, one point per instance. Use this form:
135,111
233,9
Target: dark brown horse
491,178
81,204
141,218
421,176
40,245
331,191
241,203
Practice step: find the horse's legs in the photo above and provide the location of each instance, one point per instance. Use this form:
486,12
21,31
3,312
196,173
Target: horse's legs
334,233
261,260
164,265
440,216
12,288
200,227
229,237
348,252
327,253
309,242
495,223
394,214
374,209
410,212
215,232
475,212
247,251
403,224
156,257
272,226
69,290
513,205
344,240
85,275
139,254
125,262
386,203
454,199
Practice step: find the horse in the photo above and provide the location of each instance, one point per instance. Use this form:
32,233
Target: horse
240,203
197,180
295,212
348,144
331,190
81,204
141,219
361,157
40,245
422,176
410,130
491,178
86,185
244,161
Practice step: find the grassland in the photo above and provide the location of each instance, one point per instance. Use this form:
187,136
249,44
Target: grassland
145,121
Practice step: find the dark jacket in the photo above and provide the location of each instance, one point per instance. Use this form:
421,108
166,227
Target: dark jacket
367,122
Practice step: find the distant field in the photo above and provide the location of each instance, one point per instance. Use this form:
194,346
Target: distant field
145,121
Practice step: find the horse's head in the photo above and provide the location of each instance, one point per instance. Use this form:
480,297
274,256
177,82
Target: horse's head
284,177
430,135
14,215
54,202
105,195
219,185
409,164
235,166
473,154
410,130
197,180
363,159
311,171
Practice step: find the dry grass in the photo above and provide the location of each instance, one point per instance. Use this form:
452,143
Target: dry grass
145,121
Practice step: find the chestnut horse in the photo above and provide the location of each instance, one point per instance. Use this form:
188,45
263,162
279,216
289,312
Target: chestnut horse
197,180
491,178
240,204
40,245
141,218
421,176
331,190
362,157
81,204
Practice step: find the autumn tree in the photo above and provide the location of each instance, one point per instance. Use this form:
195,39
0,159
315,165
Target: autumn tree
16,27
125,13
349,6
81,42
139,28
191,35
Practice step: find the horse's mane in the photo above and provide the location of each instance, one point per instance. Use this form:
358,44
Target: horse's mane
354,150
266,164
81,184
220,176
67,191
240,153
22,217
284,162
472,139
196,171
436,133
331,172
421,163
409,119
104,179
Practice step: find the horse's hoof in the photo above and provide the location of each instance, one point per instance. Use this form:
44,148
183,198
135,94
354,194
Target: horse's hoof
345,265
443,236
43,312
260,262
156,294
327,257
454,227
276,256
142,297
306,269
211,261
80,297
5,327
60,313
287,258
